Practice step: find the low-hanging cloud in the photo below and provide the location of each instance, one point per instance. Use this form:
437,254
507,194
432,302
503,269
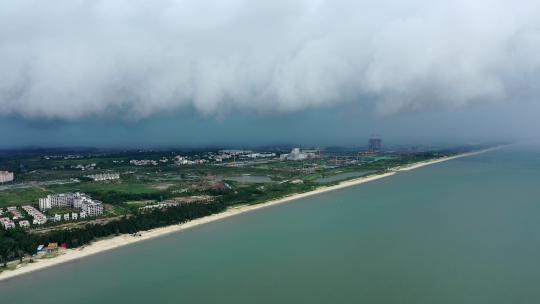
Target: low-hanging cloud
69,59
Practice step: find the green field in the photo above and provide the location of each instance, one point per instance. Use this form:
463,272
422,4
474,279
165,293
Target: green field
39,177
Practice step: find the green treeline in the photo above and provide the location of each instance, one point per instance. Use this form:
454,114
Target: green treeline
15,243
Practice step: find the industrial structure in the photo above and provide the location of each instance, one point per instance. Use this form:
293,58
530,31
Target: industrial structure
375,144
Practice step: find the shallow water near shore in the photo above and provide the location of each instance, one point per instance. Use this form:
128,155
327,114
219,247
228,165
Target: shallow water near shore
462,231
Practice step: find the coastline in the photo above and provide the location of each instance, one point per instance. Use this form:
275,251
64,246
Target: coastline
126,239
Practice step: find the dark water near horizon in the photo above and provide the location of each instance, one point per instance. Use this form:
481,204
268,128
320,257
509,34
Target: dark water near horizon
462,231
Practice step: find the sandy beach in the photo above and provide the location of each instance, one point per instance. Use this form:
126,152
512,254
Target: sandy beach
122,240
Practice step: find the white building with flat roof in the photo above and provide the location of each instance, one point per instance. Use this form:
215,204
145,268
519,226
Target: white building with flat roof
94,208
6,176
39,218
104,176
297,154
7,223
58,200
72,200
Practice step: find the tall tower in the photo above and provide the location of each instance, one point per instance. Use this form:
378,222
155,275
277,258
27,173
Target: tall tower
375,144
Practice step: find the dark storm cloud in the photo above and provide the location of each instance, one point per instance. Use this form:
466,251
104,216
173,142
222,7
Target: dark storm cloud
71,59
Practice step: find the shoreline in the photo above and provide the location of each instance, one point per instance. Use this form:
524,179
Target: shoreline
114,242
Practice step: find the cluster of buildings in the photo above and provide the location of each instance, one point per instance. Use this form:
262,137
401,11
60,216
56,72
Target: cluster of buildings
11,216
73,216
205,158
91,166
6,176
75,200
16,214
228,154
182,160
180,201
51,248
104,176
143,162
262,155
297,154
69,156
232,154
38,217
7,223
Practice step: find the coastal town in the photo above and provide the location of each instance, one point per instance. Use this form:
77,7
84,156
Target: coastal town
53,198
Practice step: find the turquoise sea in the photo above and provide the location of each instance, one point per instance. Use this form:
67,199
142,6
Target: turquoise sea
462,231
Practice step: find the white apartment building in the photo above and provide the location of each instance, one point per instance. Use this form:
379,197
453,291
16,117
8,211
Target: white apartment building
94,208
39,218
6,176
104,176
58,200
7,223
73,200
297,154
80,200
24,224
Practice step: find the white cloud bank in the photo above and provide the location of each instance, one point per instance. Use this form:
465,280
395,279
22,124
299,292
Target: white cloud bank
69,59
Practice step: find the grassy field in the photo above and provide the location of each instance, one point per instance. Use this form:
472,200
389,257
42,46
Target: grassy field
21,196
142,183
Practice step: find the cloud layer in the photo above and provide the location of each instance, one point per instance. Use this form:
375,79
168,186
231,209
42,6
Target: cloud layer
69,59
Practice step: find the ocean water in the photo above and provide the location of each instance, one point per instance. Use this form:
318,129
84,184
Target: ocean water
462,231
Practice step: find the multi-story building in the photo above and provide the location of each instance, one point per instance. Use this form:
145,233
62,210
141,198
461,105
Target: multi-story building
104,176
73,200
7,223
297,154
80,200
39,218
24,224
6,176
375,144
58,200
94,208
16,214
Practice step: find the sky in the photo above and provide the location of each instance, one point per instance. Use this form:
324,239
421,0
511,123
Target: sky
119,73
